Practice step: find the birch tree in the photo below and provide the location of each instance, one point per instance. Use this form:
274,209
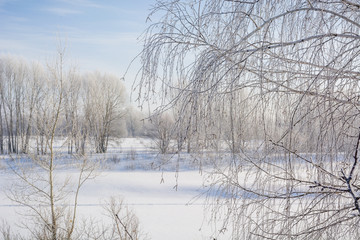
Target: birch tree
162,131
298,63
8,102
73,107
105,104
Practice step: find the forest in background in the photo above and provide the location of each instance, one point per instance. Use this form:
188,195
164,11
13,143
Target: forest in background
94,108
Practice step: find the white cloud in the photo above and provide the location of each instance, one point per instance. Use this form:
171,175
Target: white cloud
62,11
82,3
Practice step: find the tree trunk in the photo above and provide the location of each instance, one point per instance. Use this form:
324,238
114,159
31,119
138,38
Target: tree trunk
1,134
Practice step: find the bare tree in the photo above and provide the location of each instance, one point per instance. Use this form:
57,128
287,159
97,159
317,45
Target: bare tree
1,109
37,188
73,112
20,89
162,132
297,63
134,122
33,90
8,100
105,103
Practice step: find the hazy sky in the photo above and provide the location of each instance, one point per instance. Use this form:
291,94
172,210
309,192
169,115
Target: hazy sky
101,35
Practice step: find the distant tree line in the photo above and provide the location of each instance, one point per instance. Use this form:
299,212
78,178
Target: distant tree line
93,107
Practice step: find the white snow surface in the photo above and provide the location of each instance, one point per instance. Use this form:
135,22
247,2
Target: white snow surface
164,211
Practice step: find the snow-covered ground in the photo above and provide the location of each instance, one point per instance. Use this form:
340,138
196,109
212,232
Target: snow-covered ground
163,196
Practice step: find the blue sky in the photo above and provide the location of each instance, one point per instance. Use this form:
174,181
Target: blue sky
100,35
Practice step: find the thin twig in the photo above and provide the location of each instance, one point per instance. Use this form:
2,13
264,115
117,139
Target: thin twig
122,224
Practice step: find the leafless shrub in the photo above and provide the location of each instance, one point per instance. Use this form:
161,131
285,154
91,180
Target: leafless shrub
162,131
6,232
115,158
125,224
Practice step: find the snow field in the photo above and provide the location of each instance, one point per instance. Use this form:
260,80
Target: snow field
167,202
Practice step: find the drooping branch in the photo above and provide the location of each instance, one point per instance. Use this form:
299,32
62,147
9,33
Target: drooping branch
347,178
